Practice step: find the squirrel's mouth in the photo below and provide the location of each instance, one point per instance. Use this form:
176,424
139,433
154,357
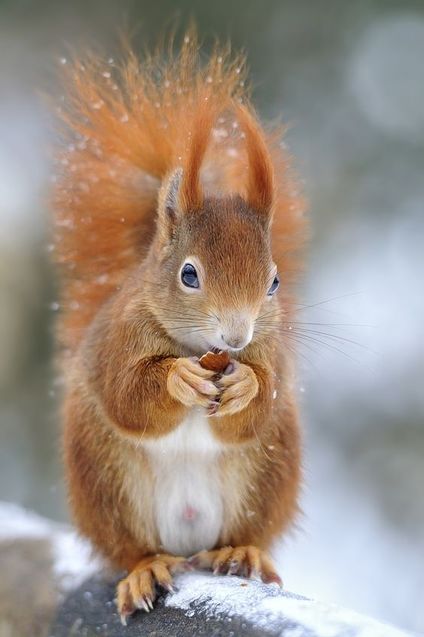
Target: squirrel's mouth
224,348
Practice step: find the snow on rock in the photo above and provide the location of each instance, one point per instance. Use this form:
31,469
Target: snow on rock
16,522
270,608
72,559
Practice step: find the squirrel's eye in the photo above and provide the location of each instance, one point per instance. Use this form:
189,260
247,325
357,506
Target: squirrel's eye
189,276
275,285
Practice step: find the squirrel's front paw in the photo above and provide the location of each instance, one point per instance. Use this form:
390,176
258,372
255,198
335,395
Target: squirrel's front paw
238,388
191,384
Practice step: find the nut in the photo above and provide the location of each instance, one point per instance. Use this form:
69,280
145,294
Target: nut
215,361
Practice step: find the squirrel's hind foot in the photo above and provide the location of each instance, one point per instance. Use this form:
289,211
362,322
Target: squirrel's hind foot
245,561
138,590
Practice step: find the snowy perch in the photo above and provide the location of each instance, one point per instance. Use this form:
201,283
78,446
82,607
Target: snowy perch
50,587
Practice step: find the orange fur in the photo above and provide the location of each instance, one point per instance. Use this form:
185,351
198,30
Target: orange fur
260,188
162,161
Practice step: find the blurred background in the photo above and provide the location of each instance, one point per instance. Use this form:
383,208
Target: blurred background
349,79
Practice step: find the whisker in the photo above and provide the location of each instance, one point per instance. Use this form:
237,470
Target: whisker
183,323
271,313
308,346
194,313
334,337
296,352
333,298
325,344
190,328
333,324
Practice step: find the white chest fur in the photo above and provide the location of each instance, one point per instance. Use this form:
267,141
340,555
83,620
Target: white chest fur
188,504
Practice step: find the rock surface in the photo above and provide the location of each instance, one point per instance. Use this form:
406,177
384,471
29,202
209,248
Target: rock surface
50,587
212,606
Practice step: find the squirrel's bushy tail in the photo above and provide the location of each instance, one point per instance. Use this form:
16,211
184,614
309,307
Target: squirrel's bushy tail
125,127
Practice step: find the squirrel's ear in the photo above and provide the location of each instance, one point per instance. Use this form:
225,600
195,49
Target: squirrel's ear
171,202
191,193
169,211
260,175
182,191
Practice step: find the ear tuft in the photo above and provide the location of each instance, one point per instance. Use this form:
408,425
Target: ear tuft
169,206
191,195
260,178
171,199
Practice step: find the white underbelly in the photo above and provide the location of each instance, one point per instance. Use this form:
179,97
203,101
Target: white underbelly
187,498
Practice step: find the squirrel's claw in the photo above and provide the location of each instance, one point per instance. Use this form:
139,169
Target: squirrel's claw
144,603
247,561
138,590
123,617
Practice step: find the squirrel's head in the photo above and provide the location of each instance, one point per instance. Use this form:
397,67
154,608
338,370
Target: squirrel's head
216,274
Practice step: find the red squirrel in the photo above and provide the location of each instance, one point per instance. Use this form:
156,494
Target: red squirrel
178,229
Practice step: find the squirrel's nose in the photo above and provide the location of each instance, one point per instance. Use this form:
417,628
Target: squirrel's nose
237,329
234,343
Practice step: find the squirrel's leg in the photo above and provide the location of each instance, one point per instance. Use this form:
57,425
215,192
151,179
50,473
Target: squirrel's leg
246,561
140,392
138,589
151,395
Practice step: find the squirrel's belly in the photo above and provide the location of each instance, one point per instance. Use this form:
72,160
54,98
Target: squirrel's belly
188,503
